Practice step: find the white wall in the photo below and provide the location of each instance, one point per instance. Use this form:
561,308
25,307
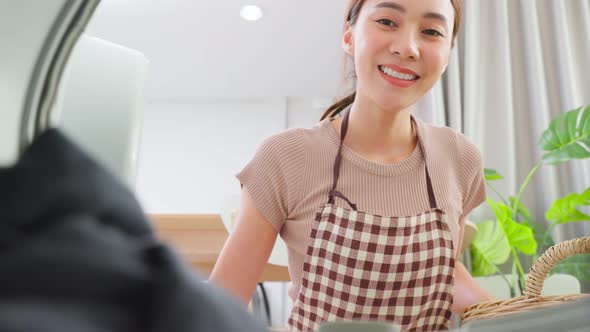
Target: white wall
191,151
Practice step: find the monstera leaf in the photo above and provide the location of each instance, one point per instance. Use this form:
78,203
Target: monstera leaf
565,210
489,249
519,236
568,137
491,174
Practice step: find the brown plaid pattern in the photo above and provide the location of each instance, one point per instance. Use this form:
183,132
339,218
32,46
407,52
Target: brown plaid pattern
365,267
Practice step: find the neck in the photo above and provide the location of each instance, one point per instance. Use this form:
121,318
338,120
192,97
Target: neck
385,136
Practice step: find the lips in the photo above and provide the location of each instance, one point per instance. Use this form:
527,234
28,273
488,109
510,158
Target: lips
398,79
397,75
399,69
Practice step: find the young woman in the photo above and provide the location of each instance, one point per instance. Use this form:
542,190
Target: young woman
371,203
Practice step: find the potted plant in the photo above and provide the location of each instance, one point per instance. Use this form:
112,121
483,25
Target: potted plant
514,233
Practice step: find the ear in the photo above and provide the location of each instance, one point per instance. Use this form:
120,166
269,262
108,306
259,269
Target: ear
348,40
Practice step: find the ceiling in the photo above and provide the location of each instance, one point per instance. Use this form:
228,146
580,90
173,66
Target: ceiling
202,49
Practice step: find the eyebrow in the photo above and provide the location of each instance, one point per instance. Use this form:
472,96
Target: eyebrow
400,8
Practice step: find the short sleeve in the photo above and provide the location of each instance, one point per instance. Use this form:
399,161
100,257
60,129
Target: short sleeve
473,186
273,177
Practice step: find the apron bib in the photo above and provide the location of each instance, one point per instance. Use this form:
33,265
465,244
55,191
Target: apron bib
367,267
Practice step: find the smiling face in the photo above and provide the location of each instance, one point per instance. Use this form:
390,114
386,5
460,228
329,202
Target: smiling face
400,49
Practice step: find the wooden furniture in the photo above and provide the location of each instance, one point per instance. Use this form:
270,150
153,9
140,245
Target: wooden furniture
199,238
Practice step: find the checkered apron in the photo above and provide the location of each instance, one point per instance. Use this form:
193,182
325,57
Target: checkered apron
366,267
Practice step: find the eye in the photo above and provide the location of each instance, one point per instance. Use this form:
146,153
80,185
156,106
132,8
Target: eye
432,32
387,22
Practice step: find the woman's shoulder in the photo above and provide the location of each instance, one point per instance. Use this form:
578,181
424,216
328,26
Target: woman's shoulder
457,157
450,141
295,141
298,138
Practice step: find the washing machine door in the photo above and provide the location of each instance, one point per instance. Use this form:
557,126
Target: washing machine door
36,39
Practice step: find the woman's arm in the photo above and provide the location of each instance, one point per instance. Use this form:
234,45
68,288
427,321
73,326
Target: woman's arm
246,251
467,291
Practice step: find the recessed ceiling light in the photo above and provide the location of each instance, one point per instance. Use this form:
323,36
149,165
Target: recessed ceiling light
251,13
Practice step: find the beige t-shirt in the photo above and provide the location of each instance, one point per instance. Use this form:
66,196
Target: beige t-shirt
291,174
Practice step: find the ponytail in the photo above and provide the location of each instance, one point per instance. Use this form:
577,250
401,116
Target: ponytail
340,105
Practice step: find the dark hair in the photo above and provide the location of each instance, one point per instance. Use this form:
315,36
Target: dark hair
352,13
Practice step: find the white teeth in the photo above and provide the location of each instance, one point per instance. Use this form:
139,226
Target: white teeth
395,74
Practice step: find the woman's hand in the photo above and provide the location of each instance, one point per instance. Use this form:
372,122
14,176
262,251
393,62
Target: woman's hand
245,253
467,291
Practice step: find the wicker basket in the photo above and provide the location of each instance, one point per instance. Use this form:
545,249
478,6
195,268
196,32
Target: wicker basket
532,299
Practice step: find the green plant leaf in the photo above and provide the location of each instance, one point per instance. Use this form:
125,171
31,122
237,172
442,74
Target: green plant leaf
489,249
519,236
568,137
577,266
491,174
520,209
565,210
544,240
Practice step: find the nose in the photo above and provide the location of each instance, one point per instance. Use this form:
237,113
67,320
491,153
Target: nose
405,45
